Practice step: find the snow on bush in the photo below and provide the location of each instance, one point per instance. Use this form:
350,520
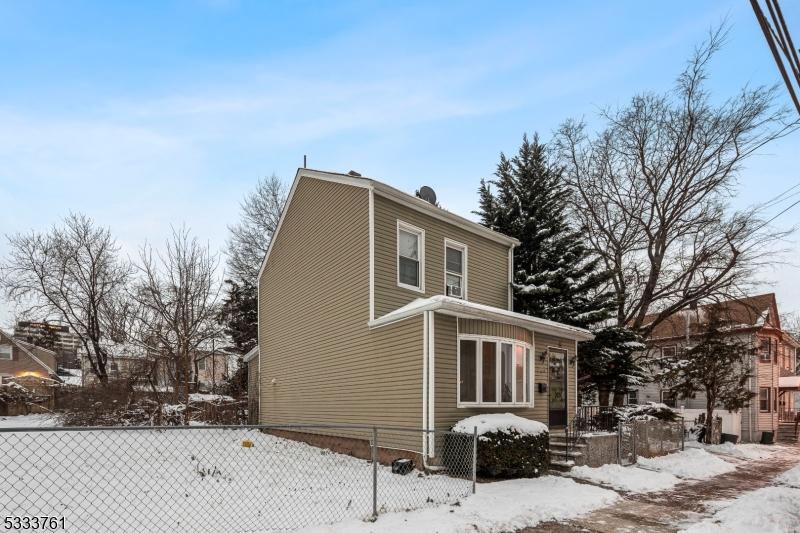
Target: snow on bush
647,411
500,423
629,479
509,445
693,463
766,510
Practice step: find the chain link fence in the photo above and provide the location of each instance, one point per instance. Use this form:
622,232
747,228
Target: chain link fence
226,478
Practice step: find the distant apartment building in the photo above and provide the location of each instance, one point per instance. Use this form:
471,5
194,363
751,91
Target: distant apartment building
53,336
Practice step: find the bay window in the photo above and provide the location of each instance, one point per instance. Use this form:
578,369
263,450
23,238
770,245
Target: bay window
494,372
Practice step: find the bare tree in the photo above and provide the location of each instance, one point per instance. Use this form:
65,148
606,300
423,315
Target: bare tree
178,293
71,273
250,237
651,191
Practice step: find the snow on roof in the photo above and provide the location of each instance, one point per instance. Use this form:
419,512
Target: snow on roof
252,354
500,423
465,309
789,382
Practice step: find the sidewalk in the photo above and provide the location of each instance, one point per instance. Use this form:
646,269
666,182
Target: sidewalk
669,510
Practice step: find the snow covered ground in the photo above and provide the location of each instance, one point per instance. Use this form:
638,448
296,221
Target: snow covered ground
500,506
662,473
197,480
29,421
774,509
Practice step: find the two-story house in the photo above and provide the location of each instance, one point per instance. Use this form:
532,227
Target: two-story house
378,307
754,320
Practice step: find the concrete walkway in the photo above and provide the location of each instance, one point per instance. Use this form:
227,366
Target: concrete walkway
666,511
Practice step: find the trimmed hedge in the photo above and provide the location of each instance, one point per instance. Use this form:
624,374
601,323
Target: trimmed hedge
512,455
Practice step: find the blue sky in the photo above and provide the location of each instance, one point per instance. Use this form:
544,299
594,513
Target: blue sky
146,114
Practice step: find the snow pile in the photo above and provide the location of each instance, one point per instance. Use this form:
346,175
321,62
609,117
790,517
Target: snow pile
28,421
766,510
501,506
629,479
500,423
740,451
693,463
214,398
790,478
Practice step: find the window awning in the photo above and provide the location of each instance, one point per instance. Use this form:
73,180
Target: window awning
448,305
789,382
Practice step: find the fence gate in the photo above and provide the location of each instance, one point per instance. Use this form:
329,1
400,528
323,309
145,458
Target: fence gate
626,443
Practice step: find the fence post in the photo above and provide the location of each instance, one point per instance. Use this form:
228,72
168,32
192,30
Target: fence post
474,457
374,472
683,434
619,443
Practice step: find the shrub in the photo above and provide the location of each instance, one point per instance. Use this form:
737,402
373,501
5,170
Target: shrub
648,411
509,446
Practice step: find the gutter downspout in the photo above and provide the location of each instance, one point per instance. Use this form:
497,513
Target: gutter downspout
424,388
431,384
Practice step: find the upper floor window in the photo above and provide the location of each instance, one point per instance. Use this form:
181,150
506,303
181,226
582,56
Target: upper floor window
766,350
201,364
633,397
455,267
5,352
410,257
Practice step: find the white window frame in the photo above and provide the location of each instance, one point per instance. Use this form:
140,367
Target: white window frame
10,352
663,392
405,226
673,346
448,243
498,341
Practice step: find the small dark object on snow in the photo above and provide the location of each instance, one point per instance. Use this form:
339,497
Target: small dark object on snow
402,466
729,437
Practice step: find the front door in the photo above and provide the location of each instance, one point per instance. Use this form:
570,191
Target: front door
558,388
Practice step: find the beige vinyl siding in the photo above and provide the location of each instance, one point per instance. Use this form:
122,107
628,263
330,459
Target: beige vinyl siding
468,326
768,376
487,261
446,371
327,366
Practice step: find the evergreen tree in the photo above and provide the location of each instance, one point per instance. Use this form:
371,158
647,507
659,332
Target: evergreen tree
555,274
239,315
718,366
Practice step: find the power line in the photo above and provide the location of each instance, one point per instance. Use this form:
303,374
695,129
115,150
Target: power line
780,44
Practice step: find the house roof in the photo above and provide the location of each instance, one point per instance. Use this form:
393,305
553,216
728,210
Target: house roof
28,351
252,354
740,313
396,195
456,307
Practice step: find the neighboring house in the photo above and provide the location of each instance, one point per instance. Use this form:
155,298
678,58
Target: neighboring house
21,359
65,343
252,361
754,320
356,325
134,362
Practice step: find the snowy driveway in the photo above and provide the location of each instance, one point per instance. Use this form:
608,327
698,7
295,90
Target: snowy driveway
754,488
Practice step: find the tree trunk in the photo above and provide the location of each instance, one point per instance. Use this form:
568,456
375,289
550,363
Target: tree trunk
709,421
602,397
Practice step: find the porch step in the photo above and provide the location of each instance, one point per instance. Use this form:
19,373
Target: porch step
786,433
561,465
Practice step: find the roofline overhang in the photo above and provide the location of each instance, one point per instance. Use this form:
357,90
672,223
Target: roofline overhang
463,309
393,194
252,354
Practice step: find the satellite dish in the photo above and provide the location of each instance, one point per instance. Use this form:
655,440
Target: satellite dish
427,194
